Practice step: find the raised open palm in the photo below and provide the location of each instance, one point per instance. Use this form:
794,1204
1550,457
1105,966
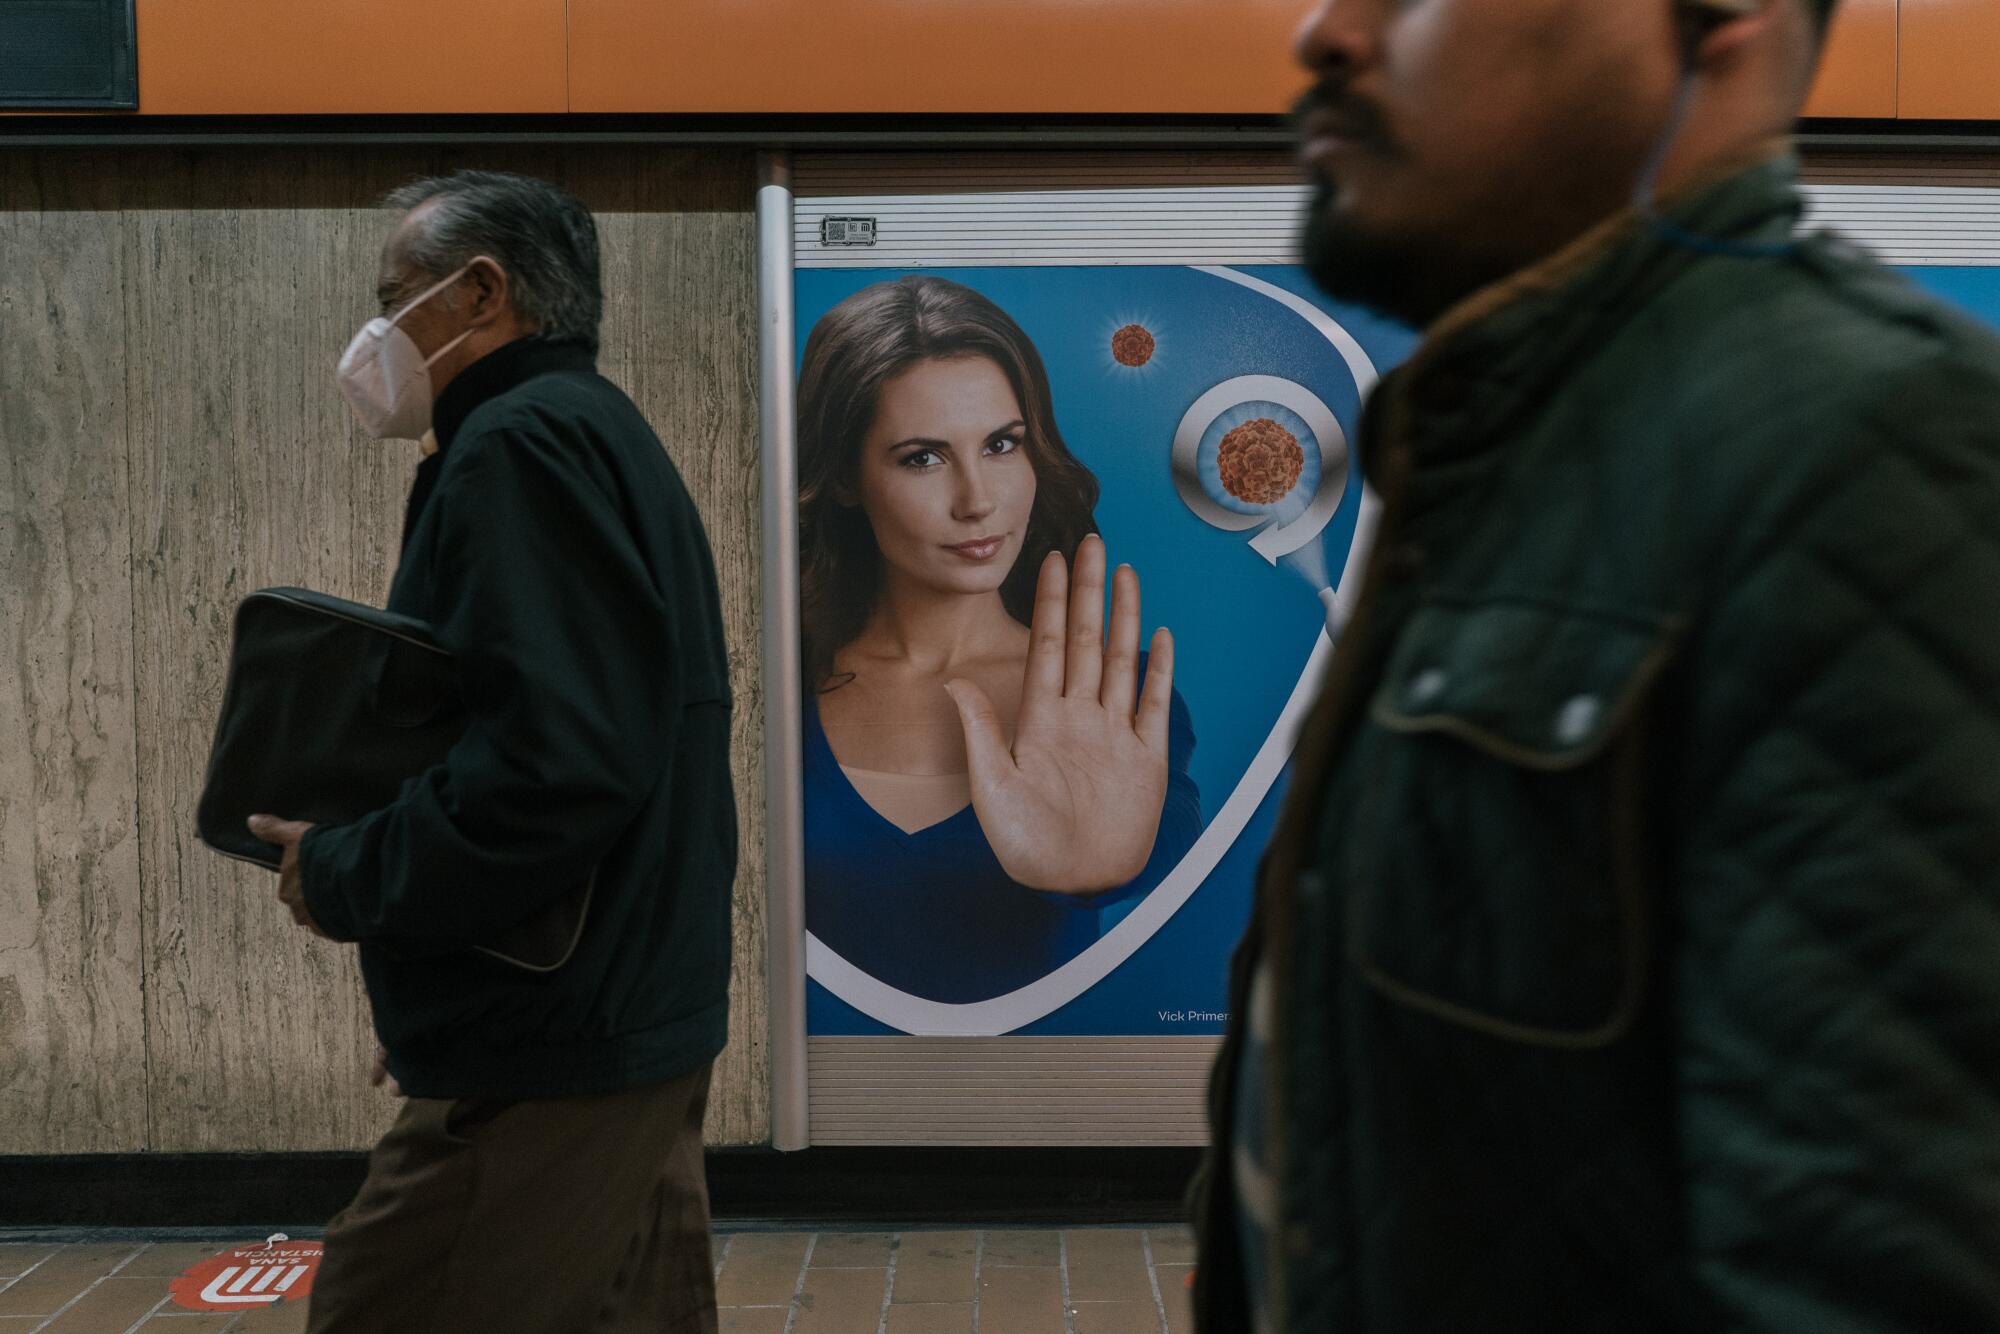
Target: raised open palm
1074,804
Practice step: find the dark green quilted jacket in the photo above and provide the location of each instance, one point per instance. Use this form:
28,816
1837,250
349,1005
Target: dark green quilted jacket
1634,926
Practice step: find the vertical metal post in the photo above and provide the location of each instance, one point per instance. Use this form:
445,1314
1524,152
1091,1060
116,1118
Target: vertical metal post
783,784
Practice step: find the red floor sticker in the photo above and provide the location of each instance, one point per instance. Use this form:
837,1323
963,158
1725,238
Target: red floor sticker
256,1273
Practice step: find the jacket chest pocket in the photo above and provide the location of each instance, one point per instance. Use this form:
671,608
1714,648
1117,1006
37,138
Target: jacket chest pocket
1493,866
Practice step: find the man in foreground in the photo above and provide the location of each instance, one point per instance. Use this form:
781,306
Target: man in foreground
544,918
1628,956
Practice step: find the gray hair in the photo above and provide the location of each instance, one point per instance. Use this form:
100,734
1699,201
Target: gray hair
539,233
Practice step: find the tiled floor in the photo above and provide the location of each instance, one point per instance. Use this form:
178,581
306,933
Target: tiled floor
1080,1281
108,1288
1074,1281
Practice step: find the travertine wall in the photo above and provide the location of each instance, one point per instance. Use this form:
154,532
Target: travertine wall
170,439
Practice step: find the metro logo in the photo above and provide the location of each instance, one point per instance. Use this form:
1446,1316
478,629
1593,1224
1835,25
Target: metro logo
254,1274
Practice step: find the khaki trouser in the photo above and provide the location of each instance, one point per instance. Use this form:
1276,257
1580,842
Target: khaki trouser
570,1216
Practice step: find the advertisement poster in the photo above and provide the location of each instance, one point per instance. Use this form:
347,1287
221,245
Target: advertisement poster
956,425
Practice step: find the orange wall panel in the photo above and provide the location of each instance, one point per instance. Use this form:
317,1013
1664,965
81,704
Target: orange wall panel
1857,71
353,57
1073,57
1951,59
1918,59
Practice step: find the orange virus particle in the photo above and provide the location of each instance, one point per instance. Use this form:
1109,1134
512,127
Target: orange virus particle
1260,462
1133,345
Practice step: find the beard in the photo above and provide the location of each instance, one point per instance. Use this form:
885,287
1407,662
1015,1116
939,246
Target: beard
1384,271
1411,274
1408,275
1349,263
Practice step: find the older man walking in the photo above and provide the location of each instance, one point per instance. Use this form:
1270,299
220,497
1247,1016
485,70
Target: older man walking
545,1175
1628,956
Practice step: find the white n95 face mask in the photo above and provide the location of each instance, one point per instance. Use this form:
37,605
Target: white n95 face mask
386,378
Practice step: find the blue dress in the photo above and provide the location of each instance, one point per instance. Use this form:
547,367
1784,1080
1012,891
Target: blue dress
932,913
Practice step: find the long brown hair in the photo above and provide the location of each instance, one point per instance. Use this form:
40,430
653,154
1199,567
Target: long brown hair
856,348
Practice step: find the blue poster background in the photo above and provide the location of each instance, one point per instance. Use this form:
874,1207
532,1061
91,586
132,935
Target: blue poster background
1973,289
1242,628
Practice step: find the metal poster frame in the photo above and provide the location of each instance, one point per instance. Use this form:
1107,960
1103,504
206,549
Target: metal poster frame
783,783
957,1074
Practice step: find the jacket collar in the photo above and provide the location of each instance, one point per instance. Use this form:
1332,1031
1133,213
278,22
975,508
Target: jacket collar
498,371
494,374
1498,351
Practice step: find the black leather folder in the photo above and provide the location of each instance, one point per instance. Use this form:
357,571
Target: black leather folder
331,706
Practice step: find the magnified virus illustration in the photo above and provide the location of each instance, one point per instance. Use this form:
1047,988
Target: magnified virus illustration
1260,462
1133,345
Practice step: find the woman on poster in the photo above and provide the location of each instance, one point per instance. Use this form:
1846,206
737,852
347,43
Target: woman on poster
987,763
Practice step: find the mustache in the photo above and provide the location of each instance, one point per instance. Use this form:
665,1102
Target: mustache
1331,104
